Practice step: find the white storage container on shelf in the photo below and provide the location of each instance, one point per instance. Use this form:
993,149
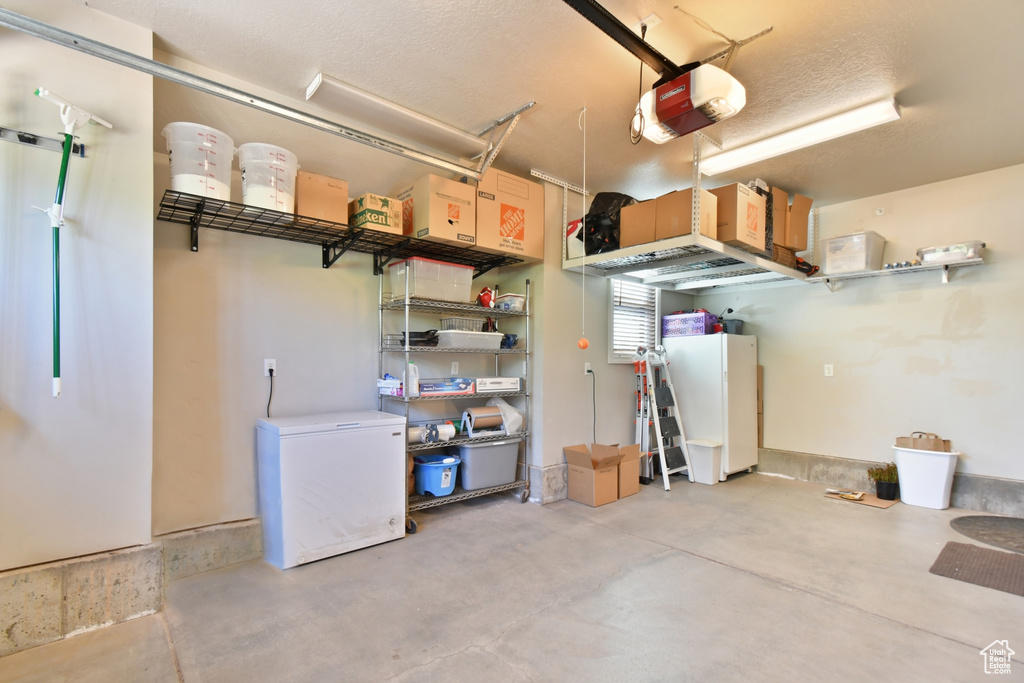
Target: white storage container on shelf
200,159
430,279
268,176
926,477
510,302
459,339
855,253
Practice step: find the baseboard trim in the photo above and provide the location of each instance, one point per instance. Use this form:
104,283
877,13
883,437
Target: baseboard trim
970,491
49,602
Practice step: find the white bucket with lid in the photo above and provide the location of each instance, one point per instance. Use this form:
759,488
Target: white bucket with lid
200,159
268,176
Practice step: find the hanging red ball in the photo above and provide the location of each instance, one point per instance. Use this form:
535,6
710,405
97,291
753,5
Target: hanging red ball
583,343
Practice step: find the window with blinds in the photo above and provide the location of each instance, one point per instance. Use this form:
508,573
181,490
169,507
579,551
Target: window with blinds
634,319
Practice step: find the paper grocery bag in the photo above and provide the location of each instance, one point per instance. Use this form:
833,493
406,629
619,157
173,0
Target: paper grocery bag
923,441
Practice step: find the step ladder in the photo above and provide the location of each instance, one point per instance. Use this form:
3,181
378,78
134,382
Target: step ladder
657,407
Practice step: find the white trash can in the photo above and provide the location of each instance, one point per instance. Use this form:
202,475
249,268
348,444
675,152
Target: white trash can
705,460
926,477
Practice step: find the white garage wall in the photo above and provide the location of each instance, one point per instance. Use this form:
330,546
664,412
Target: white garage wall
75,471
909,352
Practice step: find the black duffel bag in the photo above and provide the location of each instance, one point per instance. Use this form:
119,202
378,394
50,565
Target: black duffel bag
601,226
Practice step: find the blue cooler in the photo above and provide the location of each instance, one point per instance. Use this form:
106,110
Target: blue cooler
435,474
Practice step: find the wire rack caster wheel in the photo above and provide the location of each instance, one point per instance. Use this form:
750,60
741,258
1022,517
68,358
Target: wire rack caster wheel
410,525
524,495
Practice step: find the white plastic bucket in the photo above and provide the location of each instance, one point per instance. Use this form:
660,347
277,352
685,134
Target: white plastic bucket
926,477
200,159
705,460
268,176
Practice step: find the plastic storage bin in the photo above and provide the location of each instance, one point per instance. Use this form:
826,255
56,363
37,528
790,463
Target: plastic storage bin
268,176
429,279
435,474
200,159
853,253
510,302
682,324
458,339
705,460
487,464
926,477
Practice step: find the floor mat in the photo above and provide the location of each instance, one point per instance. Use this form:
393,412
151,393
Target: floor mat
1002,532
982,567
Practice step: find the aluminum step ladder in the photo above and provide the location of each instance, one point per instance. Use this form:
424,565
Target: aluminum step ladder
657,407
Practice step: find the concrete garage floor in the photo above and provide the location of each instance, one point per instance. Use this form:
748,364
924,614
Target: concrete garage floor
758,578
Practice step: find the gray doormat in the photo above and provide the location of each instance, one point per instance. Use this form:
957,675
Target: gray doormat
982,567
1002,532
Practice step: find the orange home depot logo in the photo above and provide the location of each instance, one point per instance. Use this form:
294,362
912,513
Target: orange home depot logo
453,211
753,217
512,222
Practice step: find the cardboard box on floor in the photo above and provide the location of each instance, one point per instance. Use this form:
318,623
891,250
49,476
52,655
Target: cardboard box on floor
321,197
741,217
510,216
675,212
439,210
790,220
593,473
629,470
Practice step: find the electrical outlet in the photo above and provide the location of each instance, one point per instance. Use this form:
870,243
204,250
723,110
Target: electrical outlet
455,368
828,369
586,368
268,365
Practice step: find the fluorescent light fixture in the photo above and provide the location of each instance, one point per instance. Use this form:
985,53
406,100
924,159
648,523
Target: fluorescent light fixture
392,118
867,116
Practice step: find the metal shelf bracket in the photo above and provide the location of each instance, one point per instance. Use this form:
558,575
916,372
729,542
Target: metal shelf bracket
382,258
334,251
33,140
193,224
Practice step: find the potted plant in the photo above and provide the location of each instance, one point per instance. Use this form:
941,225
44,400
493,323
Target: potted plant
886,479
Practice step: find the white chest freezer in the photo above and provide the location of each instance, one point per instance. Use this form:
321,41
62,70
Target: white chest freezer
330,484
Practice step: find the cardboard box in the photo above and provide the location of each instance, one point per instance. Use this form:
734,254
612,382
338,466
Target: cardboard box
490,384
675,214
760,389
376,212
741,217
593,475
510,216
636,223
629,471
790,220
447,386
439,210
321,197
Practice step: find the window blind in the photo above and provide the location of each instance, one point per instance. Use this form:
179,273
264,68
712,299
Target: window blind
634,318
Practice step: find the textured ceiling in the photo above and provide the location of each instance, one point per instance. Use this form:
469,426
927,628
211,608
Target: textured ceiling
953,66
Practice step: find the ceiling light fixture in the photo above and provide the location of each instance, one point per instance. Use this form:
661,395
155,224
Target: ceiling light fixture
867,116
392,118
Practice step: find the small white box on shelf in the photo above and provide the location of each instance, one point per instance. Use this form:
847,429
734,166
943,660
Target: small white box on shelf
486,384
854,253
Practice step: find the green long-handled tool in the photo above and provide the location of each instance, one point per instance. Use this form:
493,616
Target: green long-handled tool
73,118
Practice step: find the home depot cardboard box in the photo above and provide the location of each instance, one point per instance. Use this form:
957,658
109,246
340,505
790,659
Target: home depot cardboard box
593,473
675,211
510,216
741,217
439,210
636,223
376,212
321,197
629,470
790,220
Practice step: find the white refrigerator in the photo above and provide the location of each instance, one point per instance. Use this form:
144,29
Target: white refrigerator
330,484
715,382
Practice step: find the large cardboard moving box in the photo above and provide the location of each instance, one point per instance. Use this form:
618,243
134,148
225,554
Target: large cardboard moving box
510,216
741,217
321,197
636,223
439,210
789,221
593,474
675,211
629,470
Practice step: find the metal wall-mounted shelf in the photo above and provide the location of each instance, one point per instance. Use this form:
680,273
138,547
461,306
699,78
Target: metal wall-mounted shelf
691,263
831,281
334,239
